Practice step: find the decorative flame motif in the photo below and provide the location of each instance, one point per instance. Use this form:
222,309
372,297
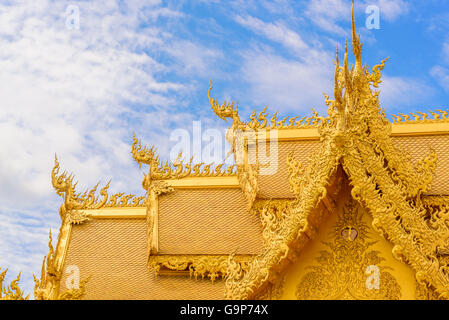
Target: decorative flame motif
421,117
261,122
75,202
178,169
13,291
47,288
356,136
225,110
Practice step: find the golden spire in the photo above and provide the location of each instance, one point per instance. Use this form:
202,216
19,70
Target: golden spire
356,46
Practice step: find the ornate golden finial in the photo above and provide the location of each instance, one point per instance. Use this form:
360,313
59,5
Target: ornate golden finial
225,110
356,46
13,291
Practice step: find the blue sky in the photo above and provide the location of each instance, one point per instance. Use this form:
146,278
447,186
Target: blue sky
144,66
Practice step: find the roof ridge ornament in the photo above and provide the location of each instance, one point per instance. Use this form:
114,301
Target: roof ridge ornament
177,169
76,202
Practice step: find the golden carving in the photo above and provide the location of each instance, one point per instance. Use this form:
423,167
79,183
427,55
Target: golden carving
260,121
278,205
155,189
421,117
178,169
423,292
225,110
48,286
435,201
341,269
357,135
247,175
13,291
212,266
74,203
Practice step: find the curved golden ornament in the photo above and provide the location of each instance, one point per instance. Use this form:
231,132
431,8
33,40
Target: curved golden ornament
177,169
48,286
13,291
72,210
197,266
435,116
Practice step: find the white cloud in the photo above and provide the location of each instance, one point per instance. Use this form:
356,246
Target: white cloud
275,32
287,85
399,92
441,75
390,10
192,58
327,13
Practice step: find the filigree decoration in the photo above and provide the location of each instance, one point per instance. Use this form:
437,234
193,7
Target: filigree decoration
225,110
435,201
357,135
198,266
278,205
75,203
423,292
13,291
384,178
76,293
248,182
160,187
177,169
421,117
48,286
271,216
340,272
261,121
